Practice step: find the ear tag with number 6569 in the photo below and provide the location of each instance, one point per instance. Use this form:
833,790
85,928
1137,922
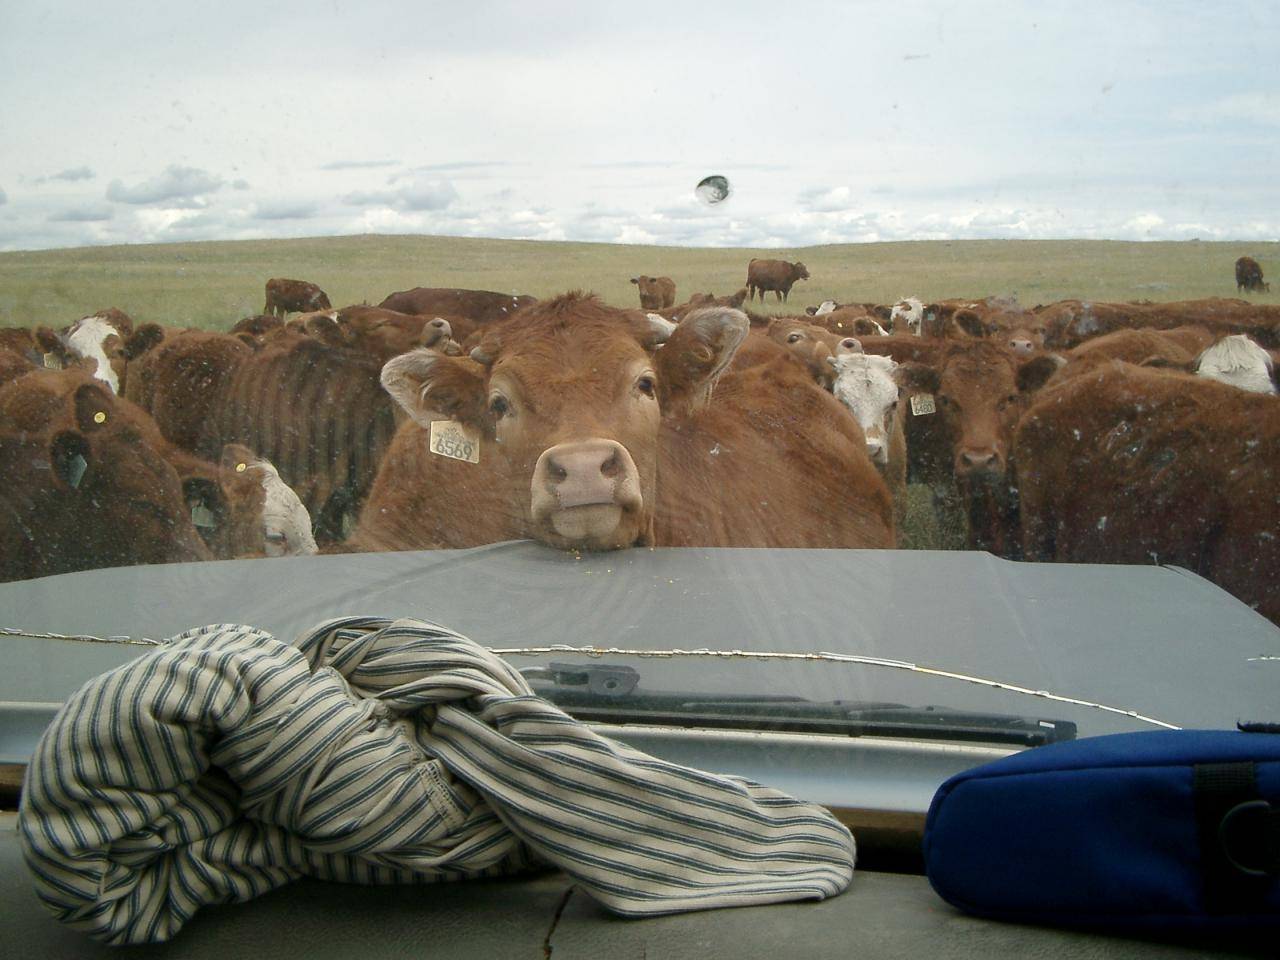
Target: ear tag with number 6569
449,438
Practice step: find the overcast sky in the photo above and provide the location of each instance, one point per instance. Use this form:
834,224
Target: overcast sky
140,122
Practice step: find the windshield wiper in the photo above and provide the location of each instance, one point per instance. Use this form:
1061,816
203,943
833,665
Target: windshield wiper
607,693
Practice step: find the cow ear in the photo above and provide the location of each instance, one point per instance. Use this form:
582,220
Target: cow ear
695,356
918,378
69,456
93,406
239,462
143,339
1164,363
49,341
326,329
1033,374
971,323
431,387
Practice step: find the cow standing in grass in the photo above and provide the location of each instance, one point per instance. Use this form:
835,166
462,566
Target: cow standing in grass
294,296
1249,276
776,275
656,293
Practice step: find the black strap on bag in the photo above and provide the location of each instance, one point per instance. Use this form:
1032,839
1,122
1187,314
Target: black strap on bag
1239,837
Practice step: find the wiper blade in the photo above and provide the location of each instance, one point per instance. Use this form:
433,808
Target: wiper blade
608,693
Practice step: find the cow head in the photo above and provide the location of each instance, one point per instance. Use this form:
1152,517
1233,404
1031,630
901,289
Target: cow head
867,385
814,345
96,338
568,406
981,389
127,498
273,519
907,316
799,271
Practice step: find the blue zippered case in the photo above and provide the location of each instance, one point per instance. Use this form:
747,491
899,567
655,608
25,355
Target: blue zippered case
1160,830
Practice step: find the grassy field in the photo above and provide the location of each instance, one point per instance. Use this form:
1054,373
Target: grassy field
214,284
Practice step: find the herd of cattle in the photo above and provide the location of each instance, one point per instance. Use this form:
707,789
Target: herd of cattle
1077,431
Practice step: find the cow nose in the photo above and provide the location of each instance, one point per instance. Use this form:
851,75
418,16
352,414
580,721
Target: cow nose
979,461
875,448
582,473
1020,346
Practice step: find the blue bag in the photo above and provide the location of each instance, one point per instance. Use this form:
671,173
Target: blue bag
1165,830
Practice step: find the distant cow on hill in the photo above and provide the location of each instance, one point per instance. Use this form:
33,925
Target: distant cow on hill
293,296
480,306
656,293
1249,276
776,275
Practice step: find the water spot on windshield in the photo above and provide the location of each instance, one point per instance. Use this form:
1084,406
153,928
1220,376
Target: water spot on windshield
713,189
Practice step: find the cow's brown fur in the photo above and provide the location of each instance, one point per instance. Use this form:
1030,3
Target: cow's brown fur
1069,323
479,306
980,389
656,293
293,296
1130,464
813,344
1249,276
573,368
127,507
776,275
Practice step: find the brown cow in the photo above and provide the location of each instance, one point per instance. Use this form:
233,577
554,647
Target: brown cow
776,275
293,296
182,381
979,388
97,341
1137,465
81,486
1249,276
313,406
479,306
814,345
656,293
583,435
13,365
1172,348
1071,322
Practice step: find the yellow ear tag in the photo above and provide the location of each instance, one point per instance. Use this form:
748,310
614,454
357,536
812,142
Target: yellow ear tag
99,417
240,468
922,405
451,439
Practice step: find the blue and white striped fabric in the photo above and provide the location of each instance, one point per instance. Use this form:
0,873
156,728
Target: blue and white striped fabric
228,763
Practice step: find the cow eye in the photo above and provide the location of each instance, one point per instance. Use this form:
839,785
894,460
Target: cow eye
794,337
646,385
499,405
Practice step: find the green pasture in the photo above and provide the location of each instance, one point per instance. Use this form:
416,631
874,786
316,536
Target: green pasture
214,284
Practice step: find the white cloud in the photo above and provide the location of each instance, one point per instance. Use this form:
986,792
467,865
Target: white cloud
73,174
285,210
93,214
4,197
358,164
835,198
413,196
186,185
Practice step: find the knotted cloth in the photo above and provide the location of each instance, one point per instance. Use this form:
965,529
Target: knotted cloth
228,763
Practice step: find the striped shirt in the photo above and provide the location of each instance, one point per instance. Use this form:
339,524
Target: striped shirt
227,763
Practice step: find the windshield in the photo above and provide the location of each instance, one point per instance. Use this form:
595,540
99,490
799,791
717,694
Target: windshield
928,350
